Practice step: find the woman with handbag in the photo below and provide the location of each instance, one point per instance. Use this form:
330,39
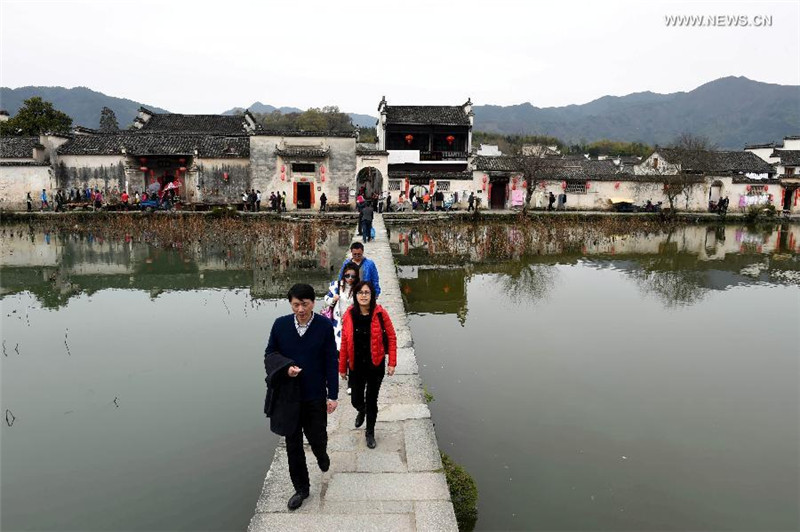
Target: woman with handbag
367,337
338,299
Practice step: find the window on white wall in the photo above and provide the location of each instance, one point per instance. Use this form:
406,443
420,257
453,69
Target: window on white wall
395,184
444,186
578,187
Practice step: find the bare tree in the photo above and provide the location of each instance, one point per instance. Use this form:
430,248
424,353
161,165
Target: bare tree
686,162
535,167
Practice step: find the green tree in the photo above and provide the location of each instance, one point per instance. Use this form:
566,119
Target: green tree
35,117
108,121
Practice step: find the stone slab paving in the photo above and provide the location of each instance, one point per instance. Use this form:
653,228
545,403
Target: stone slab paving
397,486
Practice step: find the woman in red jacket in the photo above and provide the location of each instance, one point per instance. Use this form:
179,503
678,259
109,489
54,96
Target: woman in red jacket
367,336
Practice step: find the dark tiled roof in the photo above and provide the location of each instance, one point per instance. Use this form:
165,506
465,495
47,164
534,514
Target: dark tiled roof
427,114
788,157
399,174
734,162
485,163
367,148
209,124
24,163
157,144
744,179
320,134
757,146
18,147
303,151
556,168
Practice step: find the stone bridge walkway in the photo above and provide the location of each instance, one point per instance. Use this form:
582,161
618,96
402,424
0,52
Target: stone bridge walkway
400,484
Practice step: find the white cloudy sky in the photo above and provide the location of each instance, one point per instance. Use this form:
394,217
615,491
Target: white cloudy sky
206,57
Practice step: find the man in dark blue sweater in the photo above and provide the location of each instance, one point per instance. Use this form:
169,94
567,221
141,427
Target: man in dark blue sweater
308,340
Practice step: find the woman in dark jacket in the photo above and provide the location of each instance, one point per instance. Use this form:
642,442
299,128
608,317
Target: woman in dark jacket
367,336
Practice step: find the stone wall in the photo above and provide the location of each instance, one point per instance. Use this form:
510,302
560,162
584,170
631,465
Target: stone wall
339,164
16,181
103,172
207,182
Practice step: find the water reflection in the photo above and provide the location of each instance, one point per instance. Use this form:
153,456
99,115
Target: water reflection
58,266
604,379
679,266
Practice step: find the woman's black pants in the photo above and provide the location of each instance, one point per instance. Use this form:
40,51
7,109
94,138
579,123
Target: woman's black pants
366,385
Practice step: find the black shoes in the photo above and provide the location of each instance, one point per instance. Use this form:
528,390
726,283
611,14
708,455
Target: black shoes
325,463
371,441
296,501
360,418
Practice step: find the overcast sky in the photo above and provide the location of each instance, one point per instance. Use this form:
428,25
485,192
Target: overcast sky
206,57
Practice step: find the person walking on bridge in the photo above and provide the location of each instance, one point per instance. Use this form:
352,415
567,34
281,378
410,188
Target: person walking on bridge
301,362
367,337
367,270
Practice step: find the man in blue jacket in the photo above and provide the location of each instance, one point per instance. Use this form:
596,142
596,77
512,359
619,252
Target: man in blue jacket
307,339
367,271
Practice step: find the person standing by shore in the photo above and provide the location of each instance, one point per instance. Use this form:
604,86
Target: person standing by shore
301,346
367,337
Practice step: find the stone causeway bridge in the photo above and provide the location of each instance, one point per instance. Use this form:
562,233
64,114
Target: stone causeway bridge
400,485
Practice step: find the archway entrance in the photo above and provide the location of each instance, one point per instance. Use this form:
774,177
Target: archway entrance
714,194
369,181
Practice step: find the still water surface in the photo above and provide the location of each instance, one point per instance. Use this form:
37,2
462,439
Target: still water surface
134,379
623,382
588,381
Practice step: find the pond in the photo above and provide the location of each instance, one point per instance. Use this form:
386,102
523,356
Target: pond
589,377
133,376
612,380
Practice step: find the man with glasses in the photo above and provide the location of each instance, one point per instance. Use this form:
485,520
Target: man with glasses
366,267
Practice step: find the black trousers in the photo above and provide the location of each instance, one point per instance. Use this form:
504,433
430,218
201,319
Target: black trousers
313,422
366,385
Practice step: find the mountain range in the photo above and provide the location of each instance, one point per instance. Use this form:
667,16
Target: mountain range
731,112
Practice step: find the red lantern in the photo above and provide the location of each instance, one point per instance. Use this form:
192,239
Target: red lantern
587,185
564,185
225,176
484,178
283,168
322,169
283,177
182,168
748,188
616,185
143,169
543,185
409,138
181,160
323,178
766,187
524,184
143,160
450,139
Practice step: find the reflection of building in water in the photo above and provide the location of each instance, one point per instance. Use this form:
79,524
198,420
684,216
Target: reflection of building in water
55,267
434,290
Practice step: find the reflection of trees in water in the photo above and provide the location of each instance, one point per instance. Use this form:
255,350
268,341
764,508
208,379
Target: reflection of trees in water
527,282
671,279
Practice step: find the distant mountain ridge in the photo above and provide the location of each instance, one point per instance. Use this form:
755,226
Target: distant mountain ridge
731,112
80,103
